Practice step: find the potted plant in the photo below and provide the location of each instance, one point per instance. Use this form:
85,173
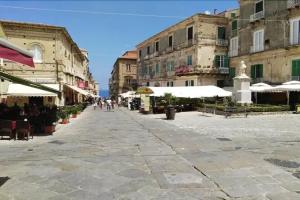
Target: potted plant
64,116
50,122
74,111
170,109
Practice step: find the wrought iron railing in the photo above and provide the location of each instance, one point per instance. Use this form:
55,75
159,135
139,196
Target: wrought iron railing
293,3
257,16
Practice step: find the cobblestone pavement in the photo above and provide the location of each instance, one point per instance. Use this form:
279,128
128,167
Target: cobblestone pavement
125,155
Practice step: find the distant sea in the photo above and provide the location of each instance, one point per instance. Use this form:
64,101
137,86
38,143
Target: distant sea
104,93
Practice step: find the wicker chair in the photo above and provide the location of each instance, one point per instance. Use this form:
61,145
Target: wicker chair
6,129
23,129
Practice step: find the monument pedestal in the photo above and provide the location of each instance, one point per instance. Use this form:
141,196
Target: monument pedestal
241,89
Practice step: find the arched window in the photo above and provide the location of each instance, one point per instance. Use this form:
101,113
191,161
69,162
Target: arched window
37,53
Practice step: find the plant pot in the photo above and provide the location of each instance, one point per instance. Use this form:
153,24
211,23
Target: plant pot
74,115
170,113
49,129
65,121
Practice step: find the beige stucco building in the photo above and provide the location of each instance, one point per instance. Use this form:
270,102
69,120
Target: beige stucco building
192,52
268,40
57,59
124,74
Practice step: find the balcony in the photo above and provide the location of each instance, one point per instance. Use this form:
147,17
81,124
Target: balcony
169,49
257,16
223,70
222,42
186,44
233,53
295,78
146,57
293,4
155,54
255,49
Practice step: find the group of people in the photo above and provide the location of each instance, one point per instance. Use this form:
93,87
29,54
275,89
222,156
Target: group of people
110,104
37,116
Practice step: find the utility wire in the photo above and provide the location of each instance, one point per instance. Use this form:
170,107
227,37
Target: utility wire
93,12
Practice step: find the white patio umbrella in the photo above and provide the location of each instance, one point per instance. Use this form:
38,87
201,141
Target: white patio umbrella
260,87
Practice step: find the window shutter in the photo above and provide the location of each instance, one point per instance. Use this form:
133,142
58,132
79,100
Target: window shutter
231,72
261,71
217,61
226,61
294,67
234,25
253,71
186,83
192,82
221,32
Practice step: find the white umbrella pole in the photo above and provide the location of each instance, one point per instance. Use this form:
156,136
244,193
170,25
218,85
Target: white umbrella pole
256,97
288,97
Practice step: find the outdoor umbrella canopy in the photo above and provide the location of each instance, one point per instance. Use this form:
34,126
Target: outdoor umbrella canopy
260,87
129,94
11,52
191,92
290,86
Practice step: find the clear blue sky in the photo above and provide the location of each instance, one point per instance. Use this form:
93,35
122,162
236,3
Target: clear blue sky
102,29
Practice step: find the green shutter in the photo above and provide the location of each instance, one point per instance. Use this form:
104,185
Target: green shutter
296,68
226,61
253,71
261,71
234,25
231,72
221,32
217,61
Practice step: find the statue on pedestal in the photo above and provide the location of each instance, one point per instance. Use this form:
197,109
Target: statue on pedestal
242,69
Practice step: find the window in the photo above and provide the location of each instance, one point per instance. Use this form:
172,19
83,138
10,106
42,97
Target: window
37,53
234,46
294,31
170,84
221,33
190,60
233,15
190,33
257,71
128,81
140,53
128,67
296,67
259,6
189,83
234,25
157,46
157,69
258,41
170,66
221,61
148,50
170,41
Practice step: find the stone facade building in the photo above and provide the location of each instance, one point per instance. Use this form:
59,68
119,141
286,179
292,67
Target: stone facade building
192,52
57,58
124,74
268,40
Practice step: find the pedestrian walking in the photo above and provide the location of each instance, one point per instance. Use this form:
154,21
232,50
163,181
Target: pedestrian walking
108,104
101,104
95,105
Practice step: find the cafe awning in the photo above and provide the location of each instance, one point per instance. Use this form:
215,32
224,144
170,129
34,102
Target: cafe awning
20,90
78,90
14,53
22,81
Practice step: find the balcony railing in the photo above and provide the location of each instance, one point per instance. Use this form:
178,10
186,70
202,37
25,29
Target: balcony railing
295,78
221,42
169,49
257,16
223,70
293,3
254,49
234,33
233,53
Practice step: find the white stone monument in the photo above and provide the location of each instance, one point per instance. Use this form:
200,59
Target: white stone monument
241,86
